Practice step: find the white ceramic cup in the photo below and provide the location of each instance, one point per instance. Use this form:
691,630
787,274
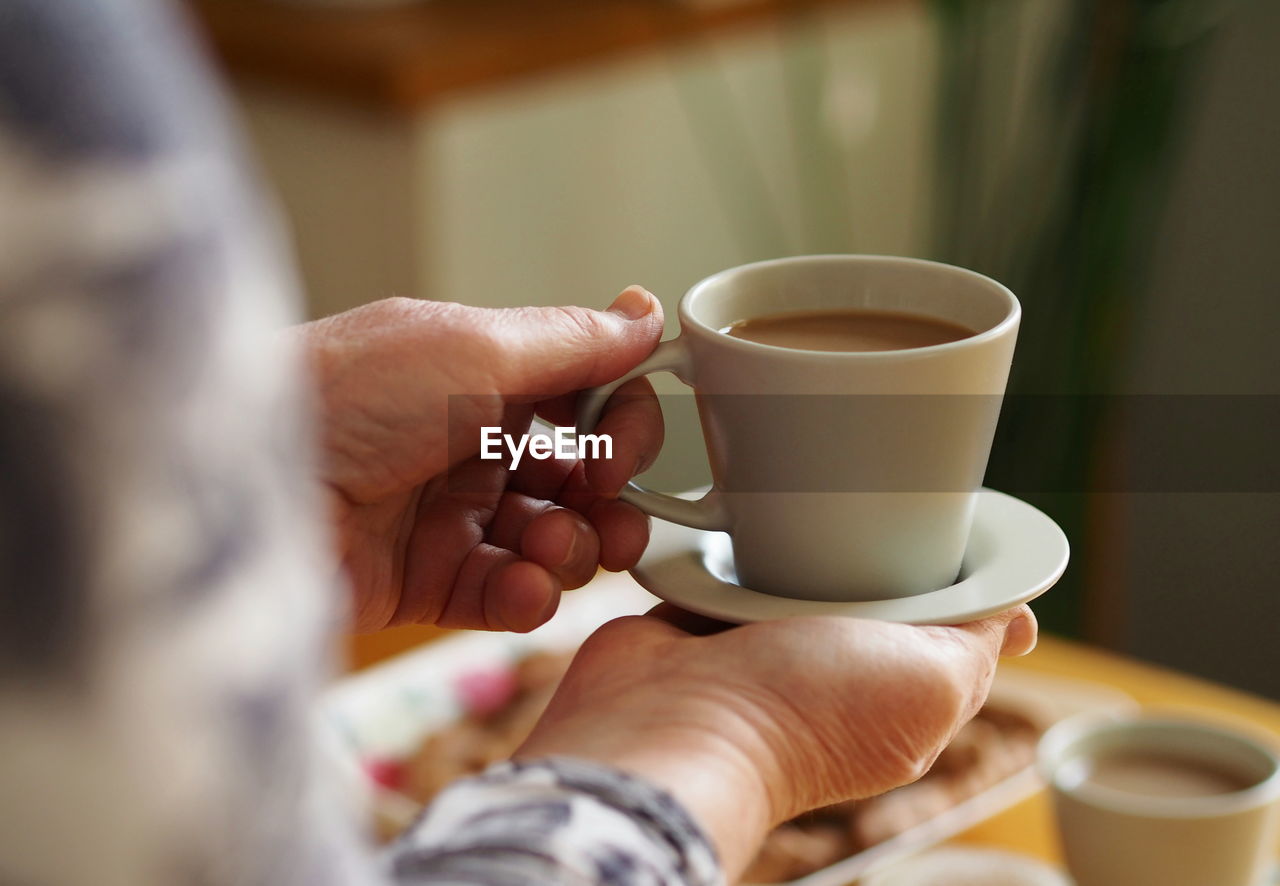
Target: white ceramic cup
838,475
1114,837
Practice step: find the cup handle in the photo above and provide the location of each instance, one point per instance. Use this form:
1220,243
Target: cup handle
704,513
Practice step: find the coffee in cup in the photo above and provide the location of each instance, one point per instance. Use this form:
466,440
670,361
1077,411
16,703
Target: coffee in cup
848,330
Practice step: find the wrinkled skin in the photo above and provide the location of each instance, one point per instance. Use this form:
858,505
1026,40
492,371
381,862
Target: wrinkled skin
430,533
753,725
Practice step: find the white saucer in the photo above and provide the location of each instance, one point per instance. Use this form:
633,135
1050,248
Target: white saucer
1015,554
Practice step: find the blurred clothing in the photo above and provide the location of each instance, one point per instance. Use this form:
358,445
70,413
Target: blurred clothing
167,595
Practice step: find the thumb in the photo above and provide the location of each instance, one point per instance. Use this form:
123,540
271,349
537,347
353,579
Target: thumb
1012,633
629,636
546,352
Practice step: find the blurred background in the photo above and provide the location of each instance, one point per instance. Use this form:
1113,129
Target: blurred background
1113,161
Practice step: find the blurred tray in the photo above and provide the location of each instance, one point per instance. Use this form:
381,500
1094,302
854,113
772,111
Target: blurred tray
385,712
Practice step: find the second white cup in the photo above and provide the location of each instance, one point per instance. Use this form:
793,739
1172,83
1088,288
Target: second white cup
1157,800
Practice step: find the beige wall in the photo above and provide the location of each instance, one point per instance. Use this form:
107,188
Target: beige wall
566,188
656,169
345,180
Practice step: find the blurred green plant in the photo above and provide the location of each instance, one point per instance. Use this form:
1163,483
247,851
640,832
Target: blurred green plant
1057,128
1058,123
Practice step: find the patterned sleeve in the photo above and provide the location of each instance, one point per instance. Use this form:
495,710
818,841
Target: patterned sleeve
557,820
167,598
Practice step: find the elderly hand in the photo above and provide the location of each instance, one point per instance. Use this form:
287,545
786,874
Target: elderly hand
754,725
429,532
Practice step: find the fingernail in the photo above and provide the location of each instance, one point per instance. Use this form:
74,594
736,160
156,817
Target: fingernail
1018,639
553,602
520,621
573,548
633,303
